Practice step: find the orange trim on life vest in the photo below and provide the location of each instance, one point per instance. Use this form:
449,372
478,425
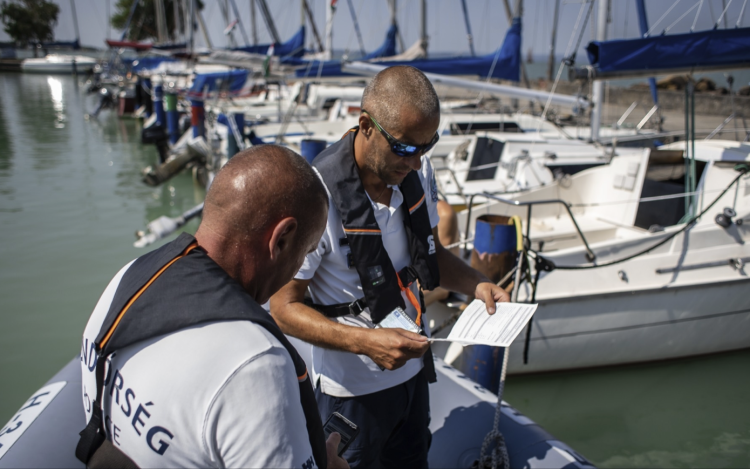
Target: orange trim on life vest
412,300
353,129
361,230
138,294
303,377
416,206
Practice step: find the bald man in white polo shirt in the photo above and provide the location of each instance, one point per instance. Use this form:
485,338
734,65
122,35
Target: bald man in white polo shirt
379,248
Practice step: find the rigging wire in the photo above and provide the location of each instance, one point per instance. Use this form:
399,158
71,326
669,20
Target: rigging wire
681,17
653,26
697,14
742,13
722,15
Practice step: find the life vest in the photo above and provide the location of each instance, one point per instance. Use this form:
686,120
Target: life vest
381,284
190,288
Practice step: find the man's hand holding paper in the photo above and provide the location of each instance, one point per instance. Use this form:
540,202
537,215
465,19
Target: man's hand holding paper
477,327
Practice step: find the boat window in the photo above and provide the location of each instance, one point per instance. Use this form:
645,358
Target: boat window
486,153
665,176
463,128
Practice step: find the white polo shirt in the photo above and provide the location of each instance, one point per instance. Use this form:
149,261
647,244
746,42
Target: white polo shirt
219,394
344,374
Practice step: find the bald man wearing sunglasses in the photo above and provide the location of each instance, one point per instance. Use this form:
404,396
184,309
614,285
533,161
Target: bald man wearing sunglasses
365,314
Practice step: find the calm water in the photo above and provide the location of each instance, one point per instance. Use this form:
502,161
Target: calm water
71,199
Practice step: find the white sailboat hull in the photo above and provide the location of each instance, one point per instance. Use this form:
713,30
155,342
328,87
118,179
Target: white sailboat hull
627,327
630,327
58,64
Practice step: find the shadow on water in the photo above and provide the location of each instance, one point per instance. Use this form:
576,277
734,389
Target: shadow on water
6,146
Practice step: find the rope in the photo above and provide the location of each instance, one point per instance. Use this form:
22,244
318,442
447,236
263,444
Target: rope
743,168
499,452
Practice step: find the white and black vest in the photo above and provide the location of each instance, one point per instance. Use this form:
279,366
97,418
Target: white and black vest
166,290
380,281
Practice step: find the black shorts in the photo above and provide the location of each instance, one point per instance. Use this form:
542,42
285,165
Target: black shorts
394,424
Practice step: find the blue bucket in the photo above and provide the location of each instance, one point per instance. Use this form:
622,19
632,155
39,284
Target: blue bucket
311,148
494,255
493,235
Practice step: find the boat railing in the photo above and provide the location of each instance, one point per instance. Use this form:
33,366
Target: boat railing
455,181
590,256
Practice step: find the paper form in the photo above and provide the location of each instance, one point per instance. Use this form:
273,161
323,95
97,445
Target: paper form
476,327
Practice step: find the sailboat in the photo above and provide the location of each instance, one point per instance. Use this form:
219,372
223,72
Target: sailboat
61,63
642,258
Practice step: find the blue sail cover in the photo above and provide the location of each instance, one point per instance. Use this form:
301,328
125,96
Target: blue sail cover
710,48
294,47
332,68
208,82
504,63
388,48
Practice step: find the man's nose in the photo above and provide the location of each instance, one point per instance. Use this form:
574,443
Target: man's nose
415,162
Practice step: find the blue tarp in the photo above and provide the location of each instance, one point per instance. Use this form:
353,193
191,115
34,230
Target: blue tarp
208,82
711,48
504,63
294,47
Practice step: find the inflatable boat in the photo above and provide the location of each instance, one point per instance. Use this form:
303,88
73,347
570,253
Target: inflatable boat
44,432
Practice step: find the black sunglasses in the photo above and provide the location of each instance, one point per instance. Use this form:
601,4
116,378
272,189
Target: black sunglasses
400,148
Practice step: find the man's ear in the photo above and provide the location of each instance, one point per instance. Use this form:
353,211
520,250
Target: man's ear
365,125
282,237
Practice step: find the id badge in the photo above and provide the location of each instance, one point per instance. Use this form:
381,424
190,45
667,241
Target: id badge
398,319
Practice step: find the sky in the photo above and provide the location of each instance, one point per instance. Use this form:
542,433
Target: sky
445,22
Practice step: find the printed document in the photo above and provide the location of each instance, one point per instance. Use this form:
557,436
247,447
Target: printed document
476,327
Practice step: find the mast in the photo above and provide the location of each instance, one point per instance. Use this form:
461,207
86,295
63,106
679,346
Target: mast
509,14
130,19
468,28
191,24
312,25
393,6
330,10
269,21
224,6
176,21
254,24
204,30
598,87
239,22
551,63
108,22
75,21
356,28
423,25
161,26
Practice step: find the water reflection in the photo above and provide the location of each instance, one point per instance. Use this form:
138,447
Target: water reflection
56,92
6,145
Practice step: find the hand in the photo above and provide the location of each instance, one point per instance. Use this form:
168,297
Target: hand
392,348
490,294
332,448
